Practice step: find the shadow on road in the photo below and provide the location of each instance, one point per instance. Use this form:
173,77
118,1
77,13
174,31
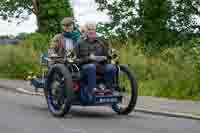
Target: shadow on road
83,112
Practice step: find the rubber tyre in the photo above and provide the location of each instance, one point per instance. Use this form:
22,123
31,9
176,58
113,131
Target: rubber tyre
134,94
62,71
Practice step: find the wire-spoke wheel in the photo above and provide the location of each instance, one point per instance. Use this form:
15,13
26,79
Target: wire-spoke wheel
57,92
127,87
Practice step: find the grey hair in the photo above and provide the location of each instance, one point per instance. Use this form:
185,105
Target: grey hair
88,24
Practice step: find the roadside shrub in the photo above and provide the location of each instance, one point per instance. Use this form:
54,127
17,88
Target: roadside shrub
17,62
194,52
38,42
172,74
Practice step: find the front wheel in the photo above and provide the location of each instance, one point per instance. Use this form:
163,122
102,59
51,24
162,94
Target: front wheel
128,88
58,91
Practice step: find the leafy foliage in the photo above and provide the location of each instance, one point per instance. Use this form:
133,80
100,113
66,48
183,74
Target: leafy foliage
157,23
125,21
17,62
49,13
195,52
171,74
36,41
183,16
15,9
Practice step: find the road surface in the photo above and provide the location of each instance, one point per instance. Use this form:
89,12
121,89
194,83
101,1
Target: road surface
21,113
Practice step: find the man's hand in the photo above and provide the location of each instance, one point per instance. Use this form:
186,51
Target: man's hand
92,57
53,55
97,58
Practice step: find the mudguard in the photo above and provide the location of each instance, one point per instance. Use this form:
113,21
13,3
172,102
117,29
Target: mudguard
62,68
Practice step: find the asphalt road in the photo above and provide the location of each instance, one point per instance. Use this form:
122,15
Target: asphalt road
21,113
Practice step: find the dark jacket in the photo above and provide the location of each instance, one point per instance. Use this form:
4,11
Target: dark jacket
85,48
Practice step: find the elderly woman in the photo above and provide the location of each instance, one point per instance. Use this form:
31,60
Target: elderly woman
65,40
87,49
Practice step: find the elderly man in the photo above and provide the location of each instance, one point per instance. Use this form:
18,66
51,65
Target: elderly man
87,49
65,40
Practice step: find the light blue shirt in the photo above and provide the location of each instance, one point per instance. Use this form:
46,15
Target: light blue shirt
68,43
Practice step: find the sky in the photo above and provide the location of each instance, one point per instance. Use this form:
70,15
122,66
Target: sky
84,10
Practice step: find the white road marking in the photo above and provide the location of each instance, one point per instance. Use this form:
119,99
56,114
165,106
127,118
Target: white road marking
22,90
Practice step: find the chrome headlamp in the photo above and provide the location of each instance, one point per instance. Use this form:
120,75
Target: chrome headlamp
70,55
114,54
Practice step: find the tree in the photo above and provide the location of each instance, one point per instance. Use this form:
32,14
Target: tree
49,13
183,18
144,19
125,19
156,14
158,23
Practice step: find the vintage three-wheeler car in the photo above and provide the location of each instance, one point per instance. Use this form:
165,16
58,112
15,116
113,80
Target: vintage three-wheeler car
60,96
